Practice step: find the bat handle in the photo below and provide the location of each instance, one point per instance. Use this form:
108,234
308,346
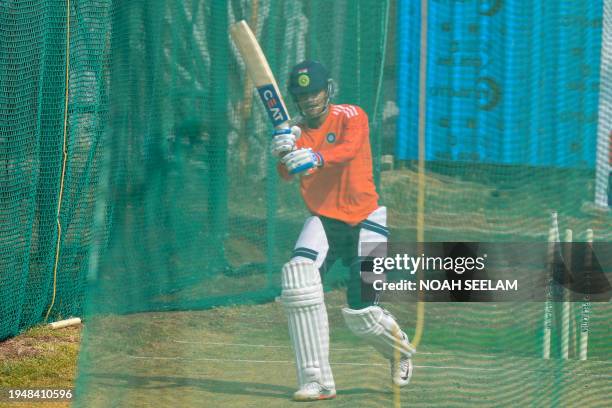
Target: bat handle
284,125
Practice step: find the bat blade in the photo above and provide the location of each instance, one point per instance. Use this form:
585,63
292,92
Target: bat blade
260,73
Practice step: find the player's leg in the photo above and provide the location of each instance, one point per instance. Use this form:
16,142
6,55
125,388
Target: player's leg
364,316
377,327
302,298
312,244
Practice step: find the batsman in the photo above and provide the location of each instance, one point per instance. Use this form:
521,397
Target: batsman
329,150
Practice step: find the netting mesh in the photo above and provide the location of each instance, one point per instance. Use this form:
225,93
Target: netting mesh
169,205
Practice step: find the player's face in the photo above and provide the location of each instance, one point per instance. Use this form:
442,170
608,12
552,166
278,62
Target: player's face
312,104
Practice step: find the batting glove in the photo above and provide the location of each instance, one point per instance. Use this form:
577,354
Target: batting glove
283,140
302,160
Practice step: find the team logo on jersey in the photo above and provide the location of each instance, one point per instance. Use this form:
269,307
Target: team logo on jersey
303,80
331,137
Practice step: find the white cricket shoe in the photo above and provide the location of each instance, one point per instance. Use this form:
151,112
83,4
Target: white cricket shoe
313,391
402,372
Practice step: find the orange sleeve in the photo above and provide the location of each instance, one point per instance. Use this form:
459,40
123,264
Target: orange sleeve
283,172
355,132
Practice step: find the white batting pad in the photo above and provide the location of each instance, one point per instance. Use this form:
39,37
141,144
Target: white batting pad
378,328
302,298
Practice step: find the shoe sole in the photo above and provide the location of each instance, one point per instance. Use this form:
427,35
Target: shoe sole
319,398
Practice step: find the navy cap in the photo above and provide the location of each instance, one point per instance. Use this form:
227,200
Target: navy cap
308,77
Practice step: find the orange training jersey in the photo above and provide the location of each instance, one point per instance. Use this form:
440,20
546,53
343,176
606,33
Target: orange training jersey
343,189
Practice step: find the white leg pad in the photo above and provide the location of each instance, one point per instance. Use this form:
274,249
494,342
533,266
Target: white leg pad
378,328
302,298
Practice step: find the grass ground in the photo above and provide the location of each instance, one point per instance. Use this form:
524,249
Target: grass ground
40,358
240,357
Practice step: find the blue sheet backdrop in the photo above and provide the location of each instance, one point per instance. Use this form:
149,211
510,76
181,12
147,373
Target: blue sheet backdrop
509,81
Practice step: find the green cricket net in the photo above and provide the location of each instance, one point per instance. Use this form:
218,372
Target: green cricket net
138,190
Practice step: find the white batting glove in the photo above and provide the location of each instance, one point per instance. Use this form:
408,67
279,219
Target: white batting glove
302,160
283,140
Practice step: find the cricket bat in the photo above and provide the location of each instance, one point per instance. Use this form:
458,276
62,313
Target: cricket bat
260,73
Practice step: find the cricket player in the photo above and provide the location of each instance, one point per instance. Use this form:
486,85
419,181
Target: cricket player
330,151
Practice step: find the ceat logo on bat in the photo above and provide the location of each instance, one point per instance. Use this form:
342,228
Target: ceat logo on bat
273,105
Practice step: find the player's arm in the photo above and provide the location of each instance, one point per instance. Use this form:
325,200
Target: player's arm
355,132
305,159
283,172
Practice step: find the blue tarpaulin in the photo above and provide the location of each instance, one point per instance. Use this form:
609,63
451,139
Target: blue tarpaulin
508,82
